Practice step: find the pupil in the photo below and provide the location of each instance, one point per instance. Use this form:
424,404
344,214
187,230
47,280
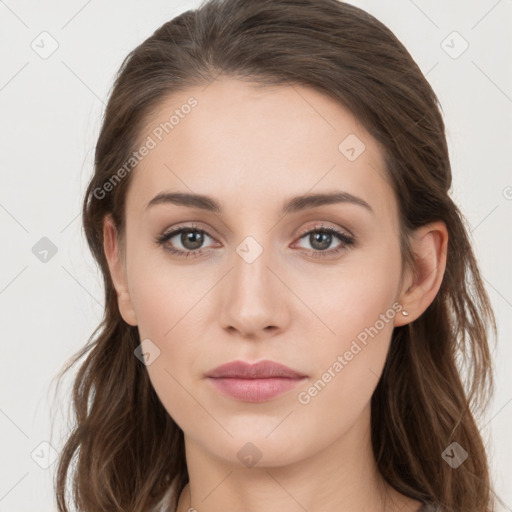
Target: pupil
192,239
320,240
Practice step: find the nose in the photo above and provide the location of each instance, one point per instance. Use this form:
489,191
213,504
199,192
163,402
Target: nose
254,301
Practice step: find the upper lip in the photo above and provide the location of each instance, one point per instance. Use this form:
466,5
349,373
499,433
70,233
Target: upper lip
260,370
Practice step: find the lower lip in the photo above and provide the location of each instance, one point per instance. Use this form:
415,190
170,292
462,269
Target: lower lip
254,390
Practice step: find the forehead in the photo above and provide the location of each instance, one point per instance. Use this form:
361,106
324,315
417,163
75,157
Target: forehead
251,145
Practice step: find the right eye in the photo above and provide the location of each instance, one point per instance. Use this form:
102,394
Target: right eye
191,238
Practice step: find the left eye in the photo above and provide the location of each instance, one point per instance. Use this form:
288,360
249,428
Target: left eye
321,239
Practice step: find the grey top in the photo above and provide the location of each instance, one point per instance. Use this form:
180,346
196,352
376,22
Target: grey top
428,507
163,505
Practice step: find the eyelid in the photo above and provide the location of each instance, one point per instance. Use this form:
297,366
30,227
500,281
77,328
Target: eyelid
324,225
192,226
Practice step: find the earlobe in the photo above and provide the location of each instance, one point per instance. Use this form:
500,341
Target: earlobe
429,246
117,269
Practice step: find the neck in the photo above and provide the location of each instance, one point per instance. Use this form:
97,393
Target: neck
343,476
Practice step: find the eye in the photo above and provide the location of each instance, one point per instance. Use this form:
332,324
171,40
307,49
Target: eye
186,241
320,239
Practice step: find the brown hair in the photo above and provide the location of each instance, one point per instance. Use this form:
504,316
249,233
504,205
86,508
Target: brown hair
127,448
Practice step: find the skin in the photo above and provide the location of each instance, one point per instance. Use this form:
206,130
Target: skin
252,148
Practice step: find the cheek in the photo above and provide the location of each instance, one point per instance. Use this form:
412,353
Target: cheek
351,296
348,364
165,295
359,307
168,300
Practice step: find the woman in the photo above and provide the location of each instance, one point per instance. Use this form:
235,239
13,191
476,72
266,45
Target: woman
291,295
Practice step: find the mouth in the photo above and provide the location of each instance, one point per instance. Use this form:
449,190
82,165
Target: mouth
257,382
254,390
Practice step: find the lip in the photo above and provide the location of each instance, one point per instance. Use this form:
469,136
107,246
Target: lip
257,382
260,370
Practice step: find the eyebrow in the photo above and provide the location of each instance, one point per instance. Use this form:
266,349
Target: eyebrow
293,205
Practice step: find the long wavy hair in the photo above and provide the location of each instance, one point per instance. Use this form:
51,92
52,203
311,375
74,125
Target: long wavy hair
124,450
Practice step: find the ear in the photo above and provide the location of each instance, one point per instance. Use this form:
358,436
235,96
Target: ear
429,246
116,265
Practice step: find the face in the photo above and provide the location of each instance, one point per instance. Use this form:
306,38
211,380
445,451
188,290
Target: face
261,270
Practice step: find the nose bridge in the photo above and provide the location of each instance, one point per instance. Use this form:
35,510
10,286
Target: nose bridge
255,250
251,276
253,300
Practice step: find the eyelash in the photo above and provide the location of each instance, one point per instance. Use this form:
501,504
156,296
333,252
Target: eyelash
346,240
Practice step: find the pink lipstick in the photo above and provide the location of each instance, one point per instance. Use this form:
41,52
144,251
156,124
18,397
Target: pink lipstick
257,382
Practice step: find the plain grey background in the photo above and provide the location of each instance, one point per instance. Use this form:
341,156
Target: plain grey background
58,63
